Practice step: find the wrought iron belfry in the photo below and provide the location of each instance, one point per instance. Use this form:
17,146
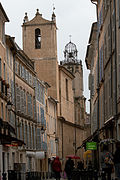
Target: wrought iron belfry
70,53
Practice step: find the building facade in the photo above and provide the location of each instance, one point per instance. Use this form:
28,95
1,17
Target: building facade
40,44
102,59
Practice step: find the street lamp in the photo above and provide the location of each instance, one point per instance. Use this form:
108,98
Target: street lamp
42,130
9,105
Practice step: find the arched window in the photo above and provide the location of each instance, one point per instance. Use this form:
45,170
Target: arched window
37,38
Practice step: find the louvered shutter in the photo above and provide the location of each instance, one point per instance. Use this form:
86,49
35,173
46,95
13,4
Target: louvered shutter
31,137
38,145
17,128
34,136
31,106
28,104
24,101
34,106
24,131
28,136
20,70
109,40
20,131
17,98
38,117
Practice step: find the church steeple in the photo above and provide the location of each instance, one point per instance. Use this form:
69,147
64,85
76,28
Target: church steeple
70,53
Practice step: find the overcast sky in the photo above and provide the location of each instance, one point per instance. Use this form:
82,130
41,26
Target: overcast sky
73,17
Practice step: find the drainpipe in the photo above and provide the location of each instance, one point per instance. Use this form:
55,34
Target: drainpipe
14,49
96,4
116,123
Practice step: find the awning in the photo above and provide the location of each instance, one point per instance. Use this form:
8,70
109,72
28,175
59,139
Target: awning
30,153
8,140
40,155
73,156
37,155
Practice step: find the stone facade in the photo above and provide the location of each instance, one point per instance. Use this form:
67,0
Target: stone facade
59,78
102,59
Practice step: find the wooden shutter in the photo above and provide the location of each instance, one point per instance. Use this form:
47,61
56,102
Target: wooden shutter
17,98
38,145
24,101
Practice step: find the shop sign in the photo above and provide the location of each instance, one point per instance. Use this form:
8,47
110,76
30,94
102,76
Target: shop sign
91,146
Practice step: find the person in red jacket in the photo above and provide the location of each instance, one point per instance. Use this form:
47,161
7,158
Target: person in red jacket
56,166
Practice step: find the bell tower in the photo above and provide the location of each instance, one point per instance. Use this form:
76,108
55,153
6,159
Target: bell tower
73,64
40,44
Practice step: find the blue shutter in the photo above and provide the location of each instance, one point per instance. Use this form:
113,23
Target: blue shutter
24,130
34,137
38,145
28,136
31,137
17,98
21,131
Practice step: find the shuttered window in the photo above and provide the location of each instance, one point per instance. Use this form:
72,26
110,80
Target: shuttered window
101,63
105,49
20,126
16,67
12,91
34,136
38,145
109,40
42,116
31,137
8,77
34,107
24,132
12,118
7,52
113,29
28,104
24,94
20,70
22,101
38,116
28,136
92,85
4,71
31,106
17,98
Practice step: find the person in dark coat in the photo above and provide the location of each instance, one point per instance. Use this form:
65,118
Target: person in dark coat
80,165
56,166
69,166
117,161
106,167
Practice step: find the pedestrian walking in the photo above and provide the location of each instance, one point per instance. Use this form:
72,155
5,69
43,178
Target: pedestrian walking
117,161
56,166
80,165
69,166
106,163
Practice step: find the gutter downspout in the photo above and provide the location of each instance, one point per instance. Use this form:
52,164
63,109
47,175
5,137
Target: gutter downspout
96,4
116,123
